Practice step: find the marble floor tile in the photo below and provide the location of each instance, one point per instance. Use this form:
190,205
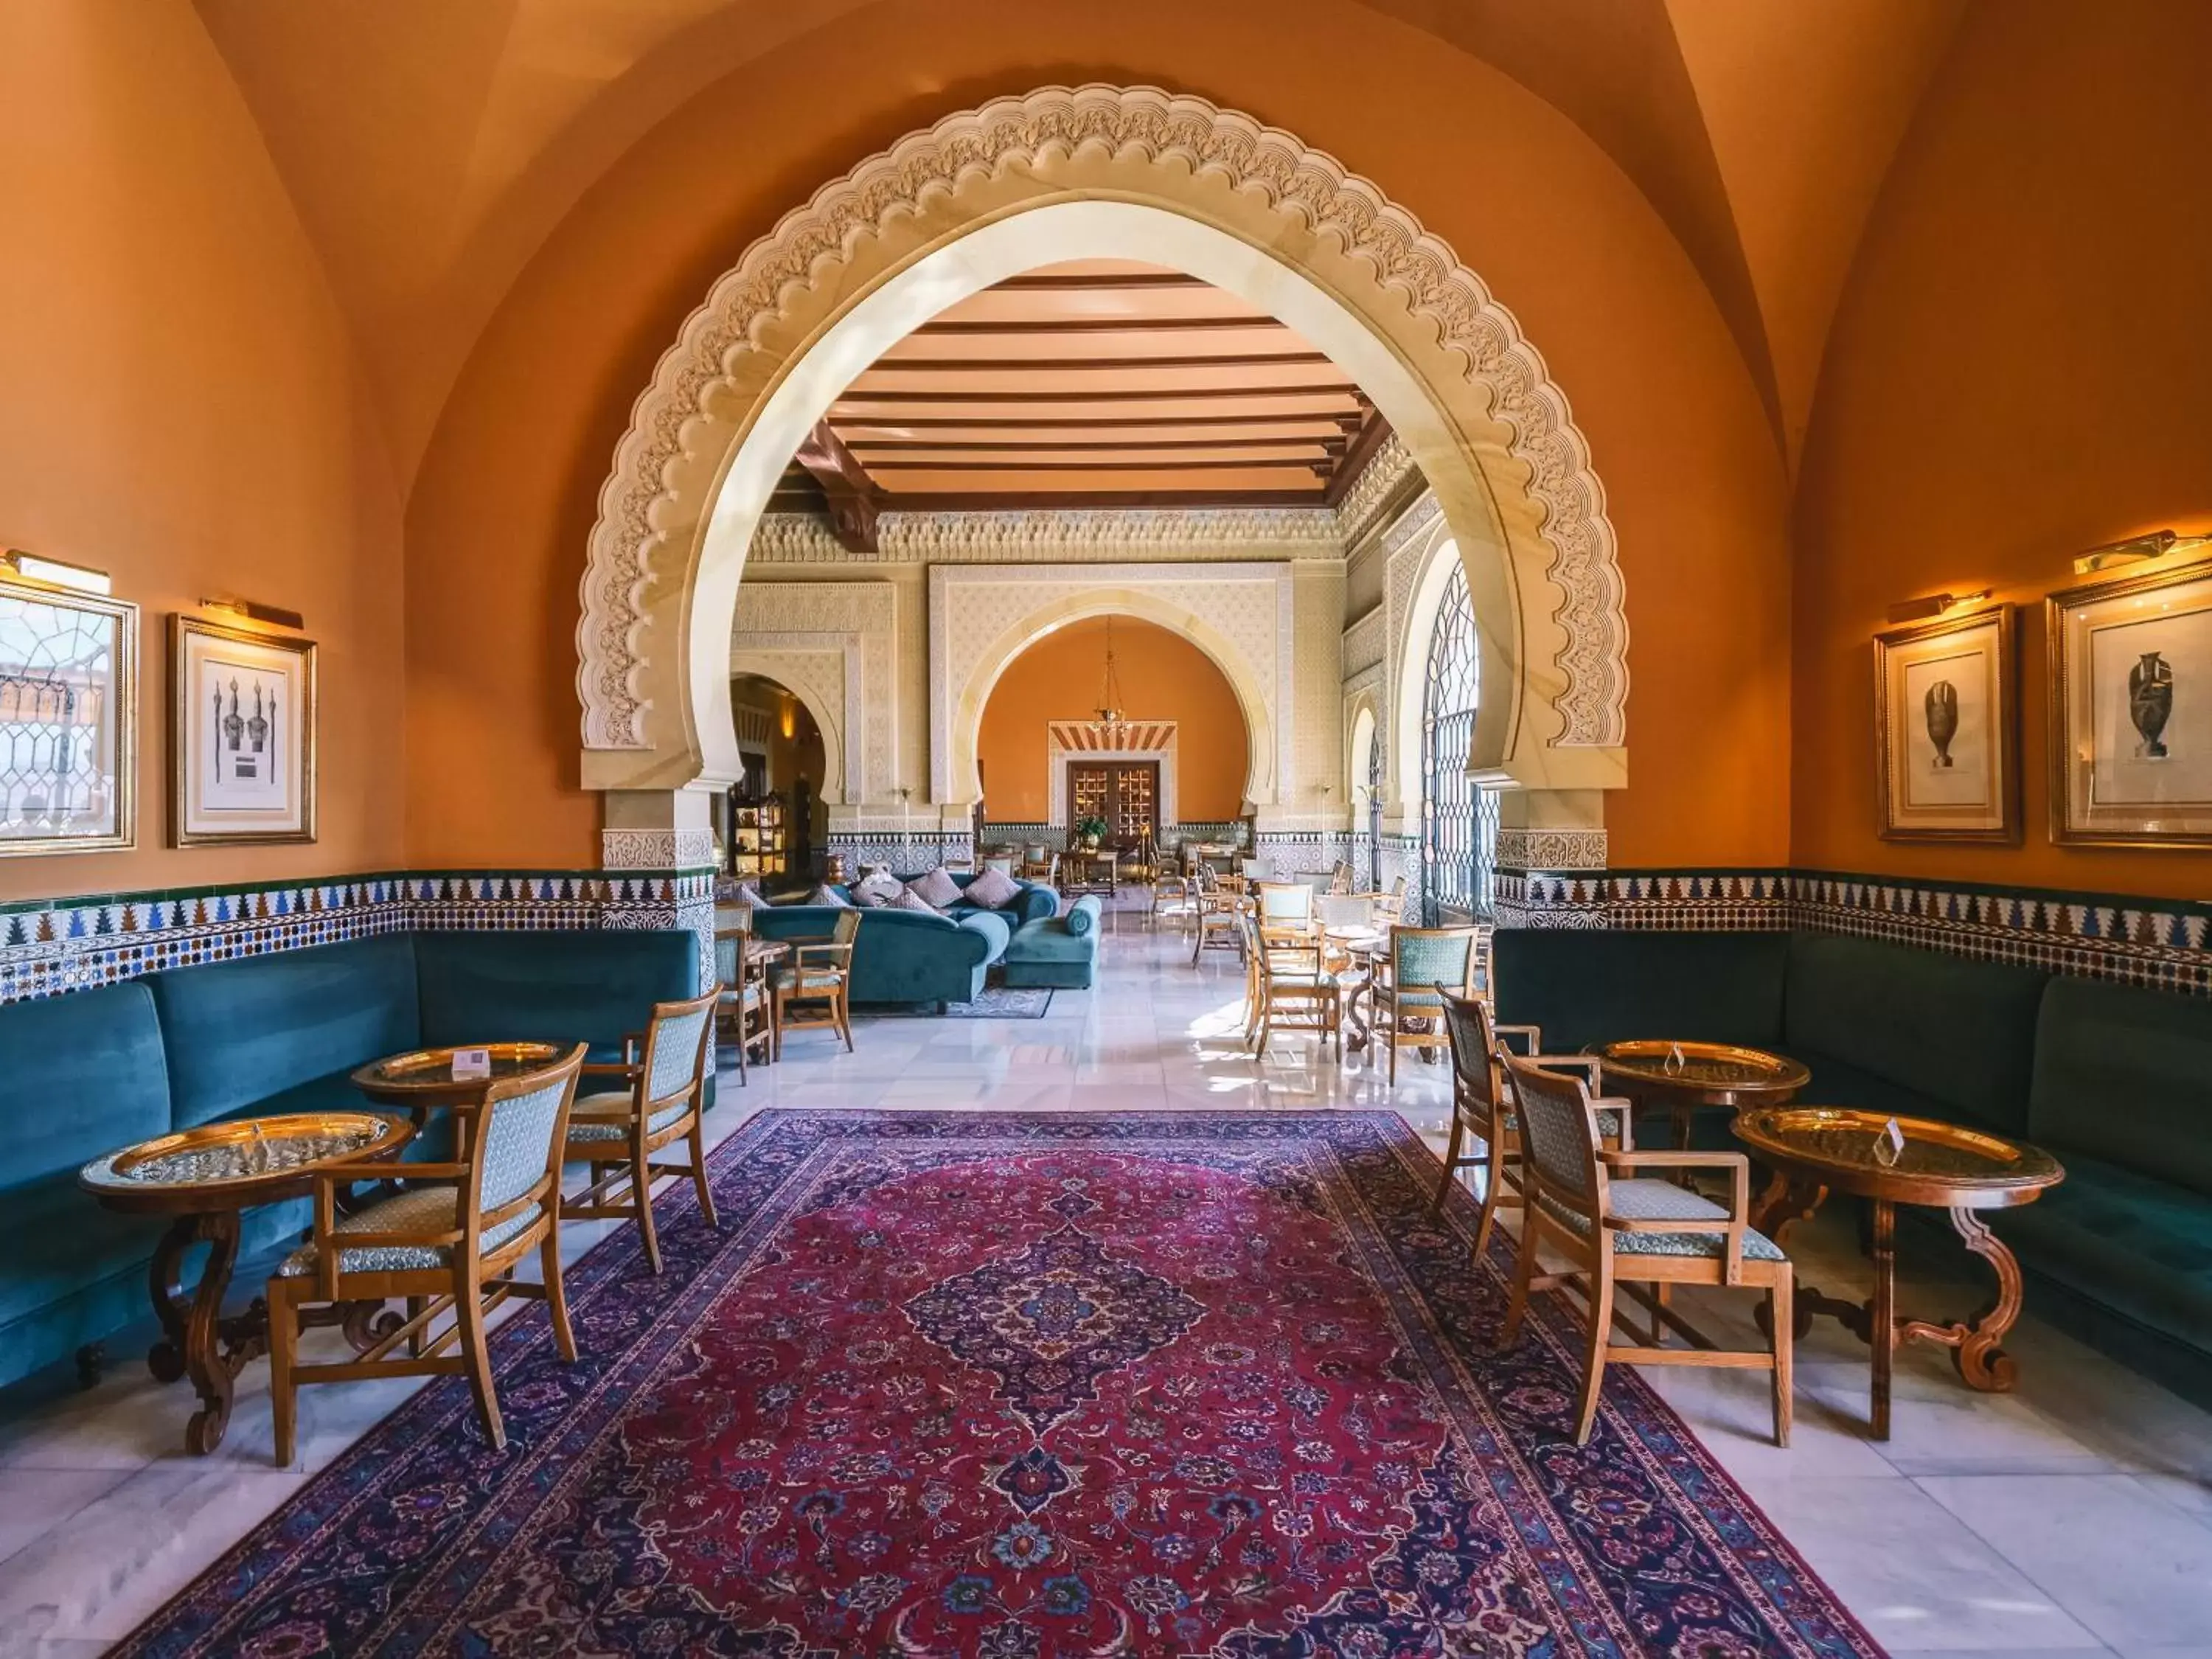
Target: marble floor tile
2134,1569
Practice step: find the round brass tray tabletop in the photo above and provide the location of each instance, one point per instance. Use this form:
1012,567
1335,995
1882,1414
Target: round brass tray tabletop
1939,1163
1717,1069
425,1075
240,1162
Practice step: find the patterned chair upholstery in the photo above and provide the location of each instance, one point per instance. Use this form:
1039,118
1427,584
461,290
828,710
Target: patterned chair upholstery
1422,959
1634,1233
662,1100
447,1248
1482,1109
1282,902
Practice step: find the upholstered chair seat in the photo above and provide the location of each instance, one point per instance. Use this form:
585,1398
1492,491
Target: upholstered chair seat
421,1210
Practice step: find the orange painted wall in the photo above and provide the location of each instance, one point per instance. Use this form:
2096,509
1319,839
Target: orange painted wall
498,522
1164,676
179,406
2021,368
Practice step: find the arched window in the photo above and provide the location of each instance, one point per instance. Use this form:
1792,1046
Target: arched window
1459,821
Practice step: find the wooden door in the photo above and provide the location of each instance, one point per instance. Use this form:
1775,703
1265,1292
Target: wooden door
1125,793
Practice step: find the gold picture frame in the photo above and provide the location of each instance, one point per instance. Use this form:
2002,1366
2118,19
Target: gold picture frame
1948,728
241,735
2131,696
69,720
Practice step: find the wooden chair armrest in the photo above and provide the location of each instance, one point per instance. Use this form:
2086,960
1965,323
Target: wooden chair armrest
393,1168
828,948
1589,1065
1677,1160
611,1068
632,1043
1533,1034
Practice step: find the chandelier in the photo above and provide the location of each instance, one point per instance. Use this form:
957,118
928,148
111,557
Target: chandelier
1109,714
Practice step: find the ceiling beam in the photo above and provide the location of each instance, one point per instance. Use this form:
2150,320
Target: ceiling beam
1318,465
963,326
1079,283
1064,365
1339,425
1356,458
1333,444
1104,395
853,497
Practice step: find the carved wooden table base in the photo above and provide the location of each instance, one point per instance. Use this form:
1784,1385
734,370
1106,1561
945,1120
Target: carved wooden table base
1976,1345
198,1341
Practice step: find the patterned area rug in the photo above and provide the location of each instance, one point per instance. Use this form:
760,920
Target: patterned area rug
1021,1387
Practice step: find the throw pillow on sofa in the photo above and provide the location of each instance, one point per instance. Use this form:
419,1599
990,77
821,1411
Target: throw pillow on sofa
993,890
937,890
825,893
910,900
880,885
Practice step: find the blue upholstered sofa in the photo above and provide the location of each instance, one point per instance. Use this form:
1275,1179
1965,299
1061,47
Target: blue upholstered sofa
1056,953
86,1071
906,958
2115,1080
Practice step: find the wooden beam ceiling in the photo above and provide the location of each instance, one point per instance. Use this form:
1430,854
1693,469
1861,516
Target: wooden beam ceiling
1096,382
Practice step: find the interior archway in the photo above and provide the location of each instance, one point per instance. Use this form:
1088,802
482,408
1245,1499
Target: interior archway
1104,171
1181,745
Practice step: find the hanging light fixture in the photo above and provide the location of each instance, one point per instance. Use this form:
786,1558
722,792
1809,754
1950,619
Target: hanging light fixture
1108,724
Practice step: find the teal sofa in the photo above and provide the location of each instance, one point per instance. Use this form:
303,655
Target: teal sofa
86,1071
901,958
1056,953
2115,1080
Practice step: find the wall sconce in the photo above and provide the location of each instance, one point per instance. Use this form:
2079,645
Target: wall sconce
2134,550
55,573
250,610
1935,605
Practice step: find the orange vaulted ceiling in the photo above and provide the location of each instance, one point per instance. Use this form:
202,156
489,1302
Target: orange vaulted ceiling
431,147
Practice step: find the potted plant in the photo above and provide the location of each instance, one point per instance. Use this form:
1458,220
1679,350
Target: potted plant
1091,831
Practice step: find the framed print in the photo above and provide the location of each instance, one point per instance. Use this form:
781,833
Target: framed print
69,721
2131,710
1948,730
242,735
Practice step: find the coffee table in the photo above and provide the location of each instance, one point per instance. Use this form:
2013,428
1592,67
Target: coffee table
1813,1151
203,1179
1683,1077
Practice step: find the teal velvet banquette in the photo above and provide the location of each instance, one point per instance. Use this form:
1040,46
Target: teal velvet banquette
86,1072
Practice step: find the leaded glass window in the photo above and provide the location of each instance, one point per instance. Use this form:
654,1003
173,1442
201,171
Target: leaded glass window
1459,821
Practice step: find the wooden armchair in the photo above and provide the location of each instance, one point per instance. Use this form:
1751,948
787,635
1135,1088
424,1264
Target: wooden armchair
1424,962
1616,1230
1482,1107
448,1243
1282,903
743,1011
1175,897
811,991
1292,985
1221,902
661,1100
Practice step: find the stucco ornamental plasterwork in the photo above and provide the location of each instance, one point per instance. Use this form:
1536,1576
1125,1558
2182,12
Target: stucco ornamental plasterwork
1284,532
1181,136
974,611
1551,849
1365,641
656,849
840,638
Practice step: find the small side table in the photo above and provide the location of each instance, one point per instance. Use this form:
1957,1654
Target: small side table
203,1179
424,1078
1813,1151
1684,1077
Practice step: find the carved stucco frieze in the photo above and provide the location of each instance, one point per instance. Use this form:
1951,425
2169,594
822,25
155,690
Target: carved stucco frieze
1184,136
1022,538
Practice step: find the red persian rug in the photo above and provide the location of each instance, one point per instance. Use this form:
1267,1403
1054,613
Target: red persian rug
1027,1386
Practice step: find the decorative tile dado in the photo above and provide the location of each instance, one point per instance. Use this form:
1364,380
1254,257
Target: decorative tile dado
75,944
2162,943
653,499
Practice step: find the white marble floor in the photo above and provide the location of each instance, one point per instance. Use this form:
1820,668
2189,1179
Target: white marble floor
2073,1516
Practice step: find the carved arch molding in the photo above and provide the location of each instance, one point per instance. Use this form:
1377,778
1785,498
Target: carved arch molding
1499,443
